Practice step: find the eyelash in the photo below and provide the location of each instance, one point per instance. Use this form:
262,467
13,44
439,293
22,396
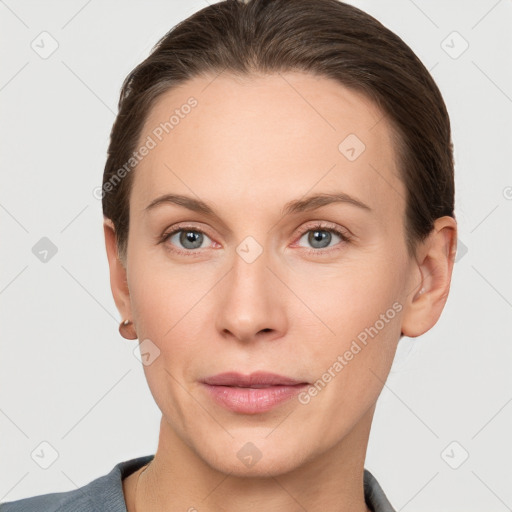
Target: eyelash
330,228
320,226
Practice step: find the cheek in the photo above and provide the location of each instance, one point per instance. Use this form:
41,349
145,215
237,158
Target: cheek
160,293
359,318
351,365
163,307
353,296
168,304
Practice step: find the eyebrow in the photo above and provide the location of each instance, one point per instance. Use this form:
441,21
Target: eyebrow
296,206
318,200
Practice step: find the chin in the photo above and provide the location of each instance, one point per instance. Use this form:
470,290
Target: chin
261,458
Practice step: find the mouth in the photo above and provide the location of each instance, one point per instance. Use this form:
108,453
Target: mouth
251,394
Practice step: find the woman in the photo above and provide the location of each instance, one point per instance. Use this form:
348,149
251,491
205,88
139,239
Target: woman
279,211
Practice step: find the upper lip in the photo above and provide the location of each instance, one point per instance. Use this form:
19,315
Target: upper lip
256,379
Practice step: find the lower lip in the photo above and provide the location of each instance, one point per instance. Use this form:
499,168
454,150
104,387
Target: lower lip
252,400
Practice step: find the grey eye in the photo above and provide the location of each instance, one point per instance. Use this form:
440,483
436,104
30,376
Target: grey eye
319,238
189,238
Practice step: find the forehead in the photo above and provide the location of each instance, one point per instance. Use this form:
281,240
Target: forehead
267,139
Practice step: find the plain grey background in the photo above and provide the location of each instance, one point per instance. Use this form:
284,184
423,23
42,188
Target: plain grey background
441,434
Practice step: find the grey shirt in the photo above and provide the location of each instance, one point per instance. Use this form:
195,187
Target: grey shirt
106,494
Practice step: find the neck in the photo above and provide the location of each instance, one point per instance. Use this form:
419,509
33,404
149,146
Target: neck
178,479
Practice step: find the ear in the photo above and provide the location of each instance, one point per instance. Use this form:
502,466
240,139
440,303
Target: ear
118,280
431,278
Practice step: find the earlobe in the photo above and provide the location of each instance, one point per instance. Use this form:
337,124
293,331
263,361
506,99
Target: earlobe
118,277
434,264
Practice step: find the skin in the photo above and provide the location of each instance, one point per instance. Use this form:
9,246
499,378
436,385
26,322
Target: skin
249,147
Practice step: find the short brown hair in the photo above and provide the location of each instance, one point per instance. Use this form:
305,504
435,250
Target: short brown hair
322,37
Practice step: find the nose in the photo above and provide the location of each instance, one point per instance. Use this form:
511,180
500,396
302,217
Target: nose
252,301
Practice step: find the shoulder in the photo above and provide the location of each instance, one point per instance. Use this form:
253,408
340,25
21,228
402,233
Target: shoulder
49,503
375,497
103,493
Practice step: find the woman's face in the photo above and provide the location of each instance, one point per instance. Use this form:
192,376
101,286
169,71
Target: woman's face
252,284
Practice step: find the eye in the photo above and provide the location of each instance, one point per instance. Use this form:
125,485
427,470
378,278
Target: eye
319,237
185,239
188,239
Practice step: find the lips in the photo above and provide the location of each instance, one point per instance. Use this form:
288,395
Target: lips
251,394
254,380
